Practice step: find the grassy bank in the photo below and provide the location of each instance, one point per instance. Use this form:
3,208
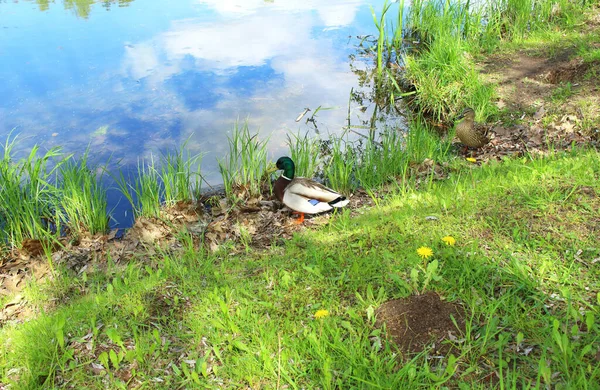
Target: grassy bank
437,45
67,199
52,198
522,270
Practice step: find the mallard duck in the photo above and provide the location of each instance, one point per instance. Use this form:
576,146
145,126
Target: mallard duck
471,134
302,195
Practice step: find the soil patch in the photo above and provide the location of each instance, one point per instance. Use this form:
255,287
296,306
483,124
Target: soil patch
415,322
550,103
525,78
568,72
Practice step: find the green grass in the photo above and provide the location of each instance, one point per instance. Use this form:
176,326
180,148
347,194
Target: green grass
83,199
372,163
304,151
144,192
244,169
180,175
447,80
340,165
388,159
48,196
522,268
29,202
562,92
176,177
382,161
422,143
441,78
367,163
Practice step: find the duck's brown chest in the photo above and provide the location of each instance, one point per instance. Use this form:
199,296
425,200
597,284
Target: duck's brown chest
279,187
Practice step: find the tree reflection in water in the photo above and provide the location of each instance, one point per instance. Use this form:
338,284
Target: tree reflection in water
83,8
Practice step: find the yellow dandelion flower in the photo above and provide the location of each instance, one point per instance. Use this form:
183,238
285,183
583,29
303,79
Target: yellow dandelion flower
449,240
321,314
471,159
425,252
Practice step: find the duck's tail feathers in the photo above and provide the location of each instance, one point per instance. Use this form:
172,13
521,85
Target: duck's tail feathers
339,202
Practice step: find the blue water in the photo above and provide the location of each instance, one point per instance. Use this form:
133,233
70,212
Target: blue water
131,78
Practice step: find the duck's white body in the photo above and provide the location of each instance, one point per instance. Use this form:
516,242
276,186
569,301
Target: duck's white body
307,196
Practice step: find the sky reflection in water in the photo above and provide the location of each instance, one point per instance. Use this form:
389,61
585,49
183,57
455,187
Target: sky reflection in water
145,76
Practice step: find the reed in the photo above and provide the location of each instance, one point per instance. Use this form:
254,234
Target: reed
339,169
422,143
29,207
448,34
82,196
484,24
304,151
446,80
180,175
381,162
382,42
143,191
244,169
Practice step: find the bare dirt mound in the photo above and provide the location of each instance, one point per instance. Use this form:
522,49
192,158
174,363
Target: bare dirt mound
568,72
419,321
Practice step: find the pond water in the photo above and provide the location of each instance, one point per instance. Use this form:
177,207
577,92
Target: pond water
133,77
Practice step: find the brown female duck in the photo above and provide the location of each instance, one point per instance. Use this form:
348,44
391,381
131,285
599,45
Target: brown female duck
470,133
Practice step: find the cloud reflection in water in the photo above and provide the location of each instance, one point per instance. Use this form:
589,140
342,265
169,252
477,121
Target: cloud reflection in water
155,80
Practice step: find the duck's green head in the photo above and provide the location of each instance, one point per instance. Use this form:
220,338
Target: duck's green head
287,165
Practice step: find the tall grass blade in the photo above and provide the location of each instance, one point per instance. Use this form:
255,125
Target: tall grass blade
244,169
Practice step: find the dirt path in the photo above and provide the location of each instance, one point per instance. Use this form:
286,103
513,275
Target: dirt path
548,100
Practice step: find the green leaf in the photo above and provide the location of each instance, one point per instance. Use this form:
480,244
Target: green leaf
195,377
587,349
204,369
60,337
114,359
286,279
414,275
520,338
432,267
451,366
217,353
241,346
114,336
589,321
348,326
103,358
401,283
574,330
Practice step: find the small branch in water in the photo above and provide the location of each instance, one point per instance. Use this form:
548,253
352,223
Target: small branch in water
365,136
207,183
